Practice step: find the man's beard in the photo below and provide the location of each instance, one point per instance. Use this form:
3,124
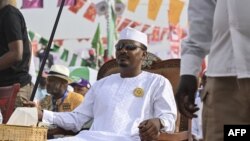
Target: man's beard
123,65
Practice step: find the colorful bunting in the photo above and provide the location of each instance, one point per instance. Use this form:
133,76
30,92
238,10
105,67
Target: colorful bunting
153,8
175,33
155,36
31,35
175,9
145,27
32,4
73,60
43,41
55,48
90,13
118,19
67,2
124,24
65,55
135,24
79,4
175,49
58,42
132,4
163,33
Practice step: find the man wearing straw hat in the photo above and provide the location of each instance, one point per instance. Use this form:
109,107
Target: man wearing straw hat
132,105
15,51
60,99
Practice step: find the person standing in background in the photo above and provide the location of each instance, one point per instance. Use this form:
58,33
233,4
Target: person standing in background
59,98
221,30
41,91
81,87
15,51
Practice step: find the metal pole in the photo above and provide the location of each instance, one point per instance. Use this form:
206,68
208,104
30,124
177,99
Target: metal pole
46,54
109,34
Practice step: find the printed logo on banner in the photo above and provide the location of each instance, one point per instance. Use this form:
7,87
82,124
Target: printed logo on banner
237,132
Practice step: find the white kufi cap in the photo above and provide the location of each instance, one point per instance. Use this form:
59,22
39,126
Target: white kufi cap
132,34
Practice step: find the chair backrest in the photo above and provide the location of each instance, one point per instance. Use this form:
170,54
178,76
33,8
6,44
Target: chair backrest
112,67
7,100
167,68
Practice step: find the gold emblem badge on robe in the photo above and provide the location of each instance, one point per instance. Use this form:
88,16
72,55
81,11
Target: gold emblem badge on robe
138,92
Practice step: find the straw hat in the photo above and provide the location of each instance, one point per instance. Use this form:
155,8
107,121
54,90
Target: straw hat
60,71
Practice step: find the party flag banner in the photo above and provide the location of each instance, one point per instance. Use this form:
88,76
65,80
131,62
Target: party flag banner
32,4
153,8
67,2
132,5
90,13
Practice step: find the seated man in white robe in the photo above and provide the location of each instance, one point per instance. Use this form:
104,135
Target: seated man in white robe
132,105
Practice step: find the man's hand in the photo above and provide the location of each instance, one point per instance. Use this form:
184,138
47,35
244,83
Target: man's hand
186,95
59,131
149,129
33,104
29,104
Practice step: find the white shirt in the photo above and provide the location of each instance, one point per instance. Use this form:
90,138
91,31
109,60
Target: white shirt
117,112
222,29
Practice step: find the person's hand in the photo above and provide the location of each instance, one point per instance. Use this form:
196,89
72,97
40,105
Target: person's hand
34,104
29,104
185,96
149,129
59,131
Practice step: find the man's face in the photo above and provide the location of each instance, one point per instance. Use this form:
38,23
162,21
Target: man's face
56,86
80,90
129,54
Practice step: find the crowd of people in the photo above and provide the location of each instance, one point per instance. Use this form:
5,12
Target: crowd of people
133,104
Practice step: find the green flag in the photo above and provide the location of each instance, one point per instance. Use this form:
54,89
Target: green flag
31,35
65,55
55,48
97,41
43,41
73,60
111,31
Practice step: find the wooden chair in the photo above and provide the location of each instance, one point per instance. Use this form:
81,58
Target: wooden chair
169,69
7,100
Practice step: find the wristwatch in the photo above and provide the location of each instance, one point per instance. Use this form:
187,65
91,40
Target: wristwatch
162,123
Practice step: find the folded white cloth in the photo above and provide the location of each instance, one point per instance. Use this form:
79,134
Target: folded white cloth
24,116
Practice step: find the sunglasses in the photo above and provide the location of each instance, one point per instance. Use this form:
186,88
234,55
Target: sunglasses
127,47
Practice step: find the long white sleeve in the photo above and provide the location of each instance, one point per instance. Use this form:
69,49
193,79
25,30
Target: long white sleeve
72,120
164,97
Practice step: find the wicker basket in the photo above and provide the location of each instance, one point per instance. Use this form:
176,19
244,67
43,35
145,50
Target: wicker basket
22,133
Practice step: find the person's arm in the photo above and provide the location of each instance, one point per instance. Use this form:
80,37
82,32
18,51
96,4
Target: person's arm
14,55
13,33
198,42
74,120
194,49
165,113
165,106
